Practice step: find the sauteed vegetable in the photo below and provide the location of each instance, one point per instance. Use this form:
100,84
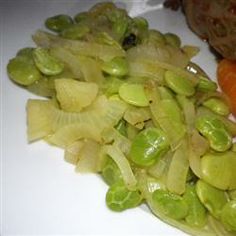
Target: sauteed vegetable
127,102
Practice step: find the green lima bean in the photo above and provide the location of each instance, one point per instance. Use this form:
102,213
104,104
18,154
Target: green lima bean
217,105
148,146
110,172
46,63
197,215
215,131
170,204
179,85
22,72
228,216
223,164
173,40
58,23
119,198
212,198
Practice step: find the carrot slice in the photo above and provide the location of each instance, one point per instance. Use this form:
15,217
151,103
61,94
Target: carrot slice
226,75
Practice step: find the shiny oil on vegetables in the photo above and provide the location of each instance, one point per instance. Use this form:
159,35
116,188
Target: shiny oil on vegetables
127,102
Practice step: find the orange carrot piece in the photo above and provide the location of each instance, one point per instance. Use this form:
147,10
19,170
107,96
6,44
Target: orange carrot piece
226,75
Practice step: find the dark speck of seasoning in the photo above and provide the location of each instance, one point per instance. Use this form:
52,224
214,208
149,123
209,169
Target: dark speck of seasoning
129,41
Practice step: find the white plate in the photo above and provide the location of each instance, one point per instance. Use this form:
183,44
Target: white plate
41,193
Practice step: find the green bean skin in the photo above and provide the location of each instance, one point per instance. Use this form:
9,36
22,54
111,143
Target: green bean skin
47,64
215,131
148,146
58,23
228,216
170,204
119,198
212,198
21,72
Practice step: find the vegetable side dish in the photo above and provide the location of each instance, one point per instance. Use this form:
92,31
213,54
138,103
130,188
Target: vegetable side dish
127,102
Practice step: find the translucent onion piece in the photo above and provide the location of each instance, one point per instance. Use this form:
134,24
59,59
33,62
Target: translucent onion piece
74,95
104,52
69,59
123,164
112,135
73,132
72,152
91,70
88,157
198,146
39,119
137,116
161,167
178,170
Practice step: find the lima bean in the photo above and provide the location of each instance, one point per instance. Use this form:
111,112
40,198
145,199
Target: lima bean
173,39
148,146
165,92
217,105
179,85
77,31
81,17
120,27
118,66
111,85
155,37
46,63
214,165
58,23
26,54
141,23
206,85
228,216
134,94
119,198
232,194
110,172
197,213
170,204
215,131
22,72
212,198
